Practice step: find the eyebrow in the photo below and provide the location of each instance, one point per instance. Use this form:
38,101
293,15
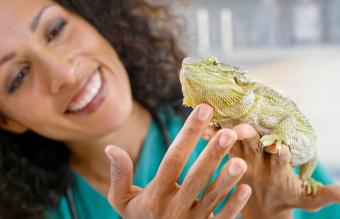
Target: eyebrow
7,57
36,19
34,24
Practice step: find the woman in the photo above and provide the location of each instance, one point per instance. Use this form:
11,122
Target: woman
78,75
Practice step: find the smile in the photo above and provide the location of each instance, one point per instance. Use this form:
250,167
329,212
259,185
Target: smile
90,96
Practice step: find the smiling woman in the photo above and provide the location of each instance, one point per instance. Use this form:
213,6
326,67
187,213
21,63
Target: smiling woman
58,63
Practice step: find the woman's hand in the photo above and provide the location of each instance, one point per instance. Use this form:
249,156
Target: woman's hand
276,189
163,197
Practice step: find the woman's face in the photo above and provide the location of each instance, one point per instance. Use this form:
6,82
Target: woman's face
58,76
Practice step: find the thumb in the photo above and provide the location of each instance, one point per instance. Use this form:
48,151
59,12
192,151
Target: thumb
331,193
326,195
120,191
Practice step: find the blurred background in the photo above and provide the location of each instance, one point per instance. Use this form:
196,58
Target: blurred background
290,45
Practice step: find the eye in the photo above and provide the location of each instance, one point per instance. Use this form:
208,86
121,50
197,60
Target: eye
55,30
19,78
236,80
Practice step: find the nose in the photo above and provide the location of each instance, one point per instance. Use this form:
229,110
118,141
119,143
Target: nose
59,70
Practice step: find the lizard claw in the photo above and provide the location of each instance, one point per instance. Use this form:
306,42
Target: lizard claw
311,186
276,139
215,124
278,147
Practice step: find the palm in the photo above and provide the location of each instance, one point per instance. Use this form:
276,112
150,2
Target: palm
273,179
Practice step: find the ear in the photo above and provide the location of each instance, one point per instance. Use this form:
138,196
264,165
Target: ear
11,125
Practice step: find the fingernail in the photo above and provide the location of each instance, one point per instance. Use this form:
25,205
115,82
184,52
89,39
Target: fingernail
244,193
225,140
108,151
204,112
235,168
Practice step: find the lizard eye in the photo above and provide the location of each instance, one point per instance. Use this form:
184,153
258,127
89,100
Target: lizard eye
214,62
237,81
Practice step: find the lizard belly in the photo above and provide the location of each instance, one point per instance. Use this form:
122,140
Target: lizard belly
302,148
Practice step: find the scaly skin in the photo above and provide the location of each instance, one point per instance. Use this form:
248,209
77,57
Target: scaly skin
236,99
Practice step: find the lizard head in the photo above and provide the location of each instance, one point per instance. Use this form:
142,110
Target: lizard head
209,81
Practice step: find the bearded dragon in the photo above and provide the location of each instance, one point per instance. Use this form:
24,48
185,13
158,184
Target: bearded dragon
235,99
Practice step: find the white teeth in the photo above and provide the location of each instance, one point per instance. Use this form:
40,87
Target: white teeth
91,91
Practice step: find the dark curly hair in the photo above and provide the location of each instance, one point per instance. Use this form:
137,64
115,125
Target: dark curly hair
34,170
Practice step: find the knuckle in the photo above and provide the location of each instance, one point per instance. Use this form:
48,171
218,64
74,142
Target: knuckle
226,179
152,205
279,160
175,159
191,185
193,128
174,213
115,203
231,210
285,156
215,153
210,198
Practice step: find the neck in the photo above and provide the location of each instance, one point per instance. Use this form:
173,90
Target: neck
89,159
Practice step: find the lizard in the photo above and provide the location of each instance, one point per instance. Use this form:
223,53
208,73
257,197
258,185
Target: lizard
236,98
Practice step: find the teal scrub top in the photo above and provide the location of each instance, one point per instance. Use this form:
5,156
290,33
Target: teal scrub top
90,204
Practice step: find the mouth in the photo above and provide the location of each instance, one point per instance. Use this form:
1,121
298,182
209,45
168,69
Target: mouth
190,61
90,96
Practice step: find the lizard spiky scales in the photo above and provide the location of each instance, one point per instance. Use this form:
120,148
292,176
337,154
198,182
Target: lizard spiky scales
236,99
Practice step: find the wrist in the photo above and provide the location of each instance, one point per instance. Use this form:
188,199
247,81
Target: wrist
263,211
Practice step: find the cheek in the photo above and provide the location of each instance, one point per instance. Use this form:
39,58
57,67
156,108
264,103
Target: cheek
112,115
30,111
118,105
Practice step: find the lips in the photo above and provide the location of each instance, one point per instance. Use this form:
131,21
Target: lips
89,96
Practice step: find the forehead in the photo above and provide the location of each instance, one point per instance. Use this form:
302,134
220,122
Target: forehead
15,19
19,9
17,15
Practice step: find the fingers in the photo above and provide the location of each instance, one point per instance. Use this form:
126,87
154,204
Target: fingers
247,134
326,195
331,193
278,161
209,133
221,186
121,177
248,142
203,168
236,203
249,147
180,150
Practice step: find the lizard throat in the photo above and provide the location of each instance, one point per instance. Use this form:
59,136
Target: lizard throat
238,109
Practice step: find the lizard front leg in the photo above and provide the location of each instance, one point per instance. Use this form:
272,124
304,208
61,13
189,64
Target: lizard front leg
281,128
280,135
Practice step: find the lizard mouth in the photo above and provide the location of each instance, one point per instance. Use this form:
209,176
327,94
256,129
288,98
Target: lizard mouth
190,60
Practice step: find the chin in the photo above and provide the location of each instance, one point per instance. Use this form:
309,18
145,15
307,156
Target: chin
112,119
